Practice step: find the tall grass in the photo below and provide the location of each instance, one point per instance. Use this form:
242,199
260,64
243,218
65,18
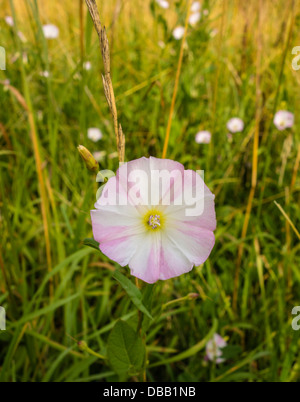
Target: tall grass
55,291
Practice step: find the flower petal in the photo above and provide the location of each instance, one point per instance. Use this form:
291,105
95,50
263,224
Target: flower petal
158,258
205,216
194,242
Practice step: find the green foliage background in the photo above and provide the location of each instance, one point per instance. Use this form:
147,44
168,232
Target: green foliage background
217,82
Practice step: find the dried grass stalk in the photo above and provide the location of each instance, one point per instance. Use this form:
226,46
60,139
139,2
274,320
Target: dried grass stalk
106,78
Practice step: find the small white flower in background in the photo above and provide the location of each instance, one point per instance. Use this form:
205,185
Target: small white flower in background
214,32
40,115
22,37
87,65
14,57
77,77
196,6
205,12
25,58
283,119
50,31
161,44
94,134
45,74
9,20
113,155
99,155
203,137
163,3
214,349
6,83
235,125
194,18
178,33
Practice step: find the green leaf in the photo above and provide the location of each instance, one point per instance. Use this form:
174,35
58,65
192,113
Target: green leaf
91,243
125,350
133,292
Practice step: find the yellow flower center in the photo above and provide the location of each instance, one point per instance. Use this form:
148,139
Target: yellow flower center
154,220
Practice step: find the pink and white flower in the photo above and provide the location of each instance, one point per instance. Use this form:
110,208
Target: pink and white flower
196,6
203,137
94,134
195,18
214,349
87,65
9,20
50,31
283,119
178,33
214,32
22,37
163,4
158,238
45,74
235,125
99,155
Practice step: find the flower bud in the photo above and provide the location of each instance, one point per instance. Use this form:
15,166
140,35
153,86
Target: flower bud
193,296
88,158
82,345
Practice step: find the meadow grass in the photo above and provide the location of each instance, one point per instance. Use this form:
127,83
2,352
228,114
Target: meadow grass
55,290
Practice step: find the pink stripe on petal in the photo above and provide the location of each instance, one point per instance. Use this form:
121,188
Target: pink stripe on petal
158,258
219,341
173,262
122,249
109,225
195,243
207,220
145,263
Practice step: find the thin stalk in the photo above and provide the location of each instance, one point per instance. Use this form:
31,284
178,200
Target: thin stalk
216,84
254,157
167,137
288,219
27,104
106,78
81,17
296,170
284,56
280,79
